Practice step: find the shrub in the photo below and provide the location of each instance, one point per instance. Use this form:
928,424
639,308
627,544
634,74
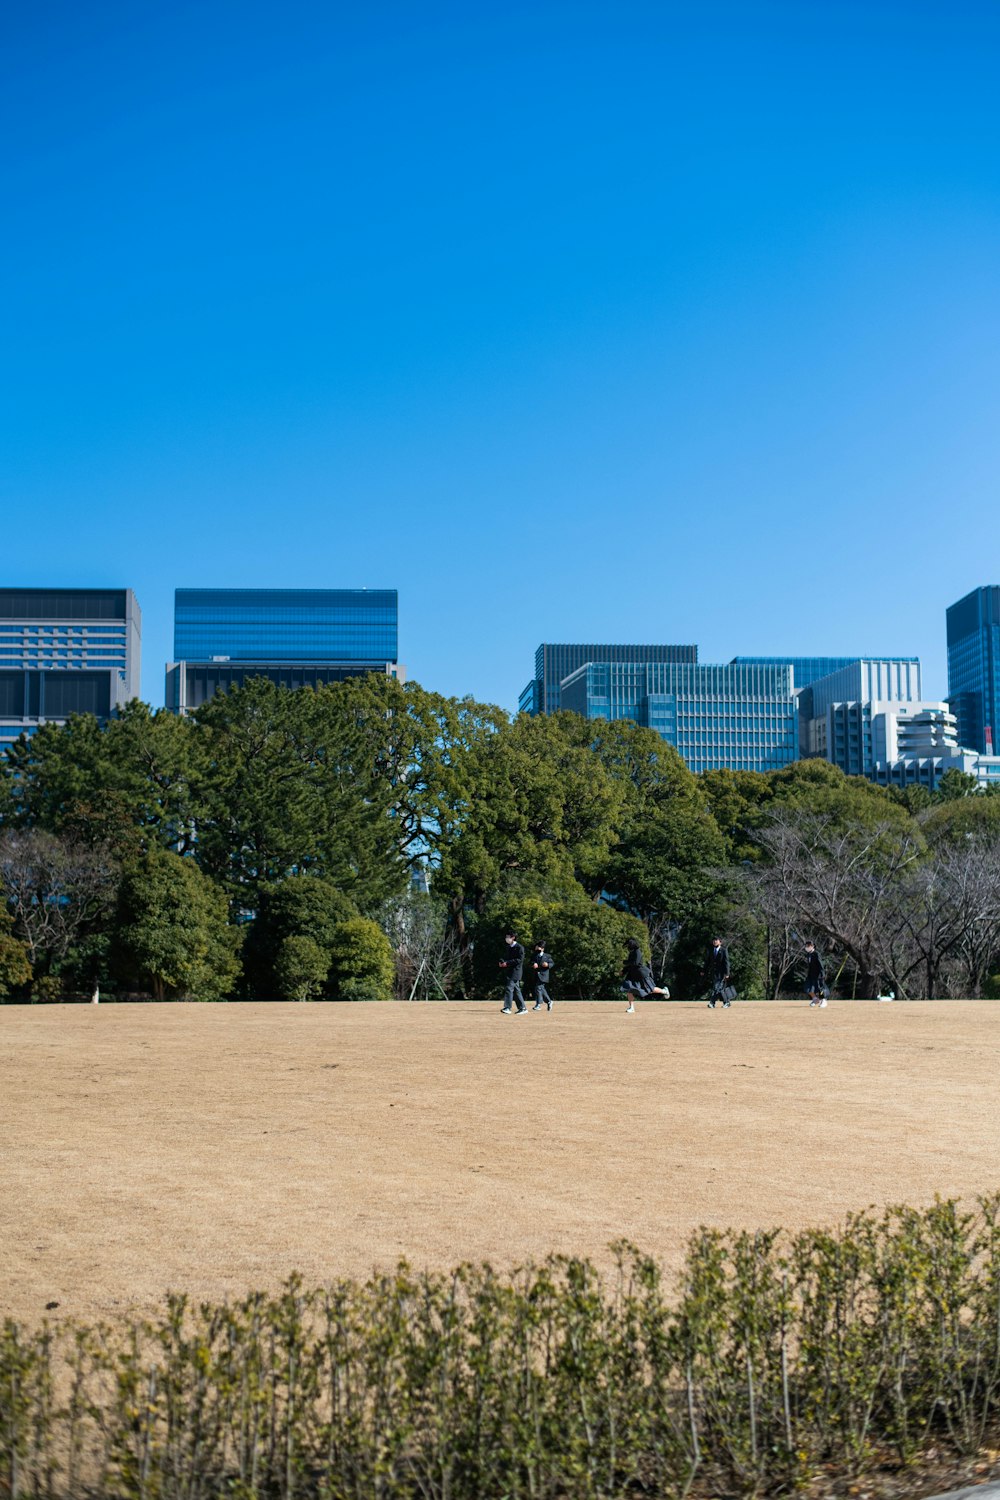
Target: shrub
779,1356
361,961
302,906
300,968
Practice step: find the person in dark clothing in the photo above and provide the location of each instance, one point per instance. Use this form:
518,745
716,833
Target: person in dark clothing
538,977
718,973
513,967
815,978
638,980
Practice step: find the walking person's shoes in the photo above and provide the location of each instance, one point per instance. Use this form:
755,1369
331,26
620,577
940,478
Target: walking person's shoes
711,1004
505,1010
630,1009
537,1006
822,1003
726,1004
548,1005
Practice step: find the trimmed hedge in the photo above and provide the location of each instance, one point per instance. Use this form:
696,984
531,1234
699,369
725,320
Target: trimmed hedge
777,1353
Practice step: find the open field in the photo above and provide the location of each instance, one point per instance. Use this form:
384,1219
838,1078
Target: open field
212,1148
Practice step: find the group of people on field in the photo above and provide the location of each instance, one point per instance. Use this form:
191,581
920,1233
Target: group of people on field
637,977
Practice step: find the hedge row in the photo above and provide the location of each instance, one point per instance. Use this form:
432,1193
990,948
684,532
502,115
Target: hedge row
777,1353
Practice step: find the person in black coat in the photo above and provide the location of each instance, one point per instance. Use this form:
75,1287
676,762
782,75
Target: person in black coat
815,978
513,967
638,980
718,972
538,977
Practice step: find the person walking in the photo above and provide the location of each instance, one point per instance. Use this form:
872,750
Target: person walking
815,978
638,980
513,967
718,973
538,977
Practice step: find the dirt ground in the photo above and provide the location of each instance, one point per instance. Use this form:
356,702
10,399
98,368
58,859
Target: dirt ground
215,1148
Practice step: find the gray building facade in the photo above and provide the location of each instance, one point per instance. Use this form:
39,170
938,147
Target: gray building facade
63,652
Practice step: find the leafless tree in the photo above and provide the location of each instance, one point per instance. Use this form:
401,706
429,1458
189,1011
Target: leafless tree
839,887
425,945
953,915
54,889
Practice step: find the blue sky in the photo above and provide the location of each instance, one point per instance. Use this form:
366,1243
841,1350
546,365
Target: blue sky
571,321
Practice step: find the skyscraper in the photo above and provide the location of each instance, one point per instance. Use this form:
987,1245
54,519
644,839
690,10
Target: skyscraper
66,651
974,668
293,637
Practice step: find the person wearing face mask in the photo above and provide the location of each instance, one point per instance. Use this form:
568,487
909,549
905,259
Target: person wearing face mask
513,967
538,977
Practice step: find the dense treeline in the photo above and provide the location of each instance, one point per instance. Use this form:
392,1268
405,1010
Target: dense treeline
371,838
778,1360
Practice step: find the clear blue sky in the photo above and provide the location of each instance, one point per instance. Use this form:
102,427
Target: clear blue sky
572,321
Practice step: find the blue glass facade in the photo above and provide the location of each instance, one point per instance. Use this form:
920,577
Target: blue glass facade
330,625
744,717
974,668
65,651
553,662
806,668
293,637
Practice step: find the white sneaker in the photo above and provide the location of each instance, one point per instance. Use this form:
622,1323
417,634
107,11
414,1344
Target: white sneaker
822,1004
630,1009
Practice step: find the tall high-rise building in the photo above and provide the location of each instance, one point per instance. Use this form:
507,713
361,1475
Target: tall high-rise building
974,668
840,713
554,662
66,651
741,717
293,637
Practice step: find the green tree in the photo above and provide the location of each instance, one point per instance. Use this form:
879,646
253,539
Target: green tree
958,818
738,801
543,807
172,931
304,906
133,783
15,966
290,790
663,862
361,961
300,968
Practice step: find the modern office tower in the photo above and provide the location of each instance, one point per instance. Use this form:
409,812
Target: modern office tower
974,668
293,637
555,662
836,712
743,717
806,668
65,651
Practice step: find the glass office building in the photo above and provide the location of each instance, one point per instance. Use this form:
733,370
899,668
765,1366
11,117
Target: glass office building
66,651
555,662
806,668
974,668
293,637
744,717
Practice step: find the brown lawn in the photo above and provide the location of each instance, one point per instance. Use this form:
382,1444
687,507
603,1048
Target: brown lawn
214,1148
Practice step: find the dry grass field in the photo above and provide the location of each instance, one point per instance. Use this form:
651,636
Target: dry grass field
213,1148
